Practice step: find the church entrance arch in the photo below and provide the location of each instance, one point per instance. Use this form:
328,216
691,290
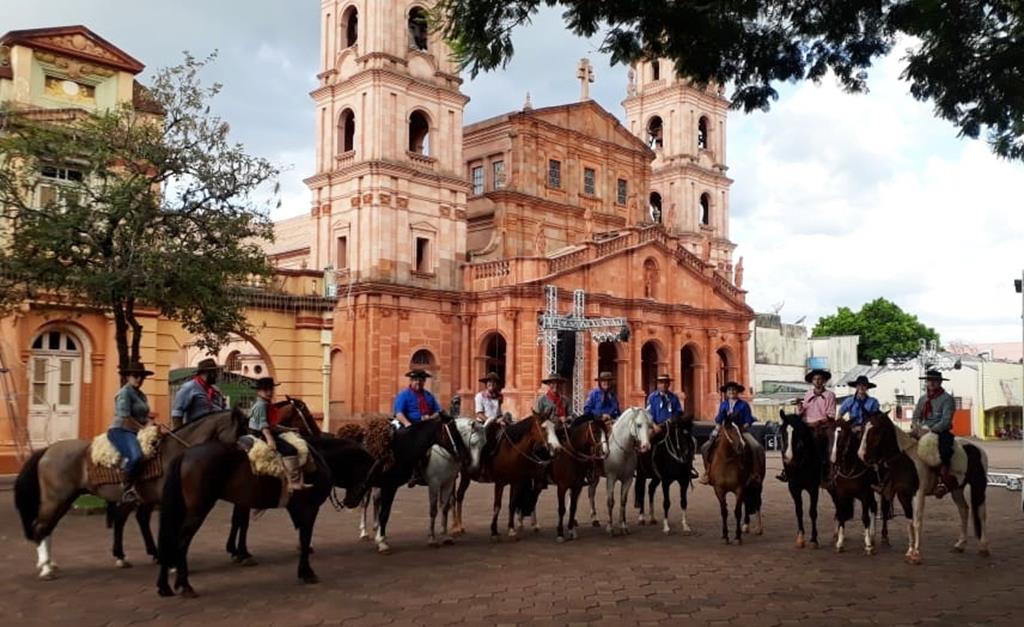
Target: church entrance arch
650,357
689,359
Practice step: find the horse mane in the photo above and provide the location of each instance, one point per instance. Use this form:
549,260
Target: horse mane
518,429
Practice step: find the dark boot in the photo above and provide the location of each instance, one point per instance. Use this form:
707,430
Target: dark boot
783,476
947,482
419,475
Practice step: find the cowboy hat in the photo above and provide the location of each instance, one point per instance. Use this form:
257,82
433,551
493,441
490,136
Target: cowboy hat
861,380
418,373
553,377
491,376
733,385
605,376
264,383
135,368
207,365
821,371
664,377
933,375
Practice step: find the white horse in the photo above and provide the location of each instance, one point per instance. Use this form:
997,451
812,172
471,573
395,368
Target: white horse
441,470
630,435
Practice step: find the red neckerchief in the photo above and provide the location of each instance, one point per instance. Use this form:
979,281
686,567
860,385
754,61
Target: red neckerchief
932,395
421,398
209,389
273,415
557,400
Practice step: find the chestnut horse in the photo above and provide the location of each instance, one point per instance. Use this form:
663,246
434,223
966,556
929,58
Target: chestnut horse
54,477
737,467
852,481
669,461
802,457
582,448
904,473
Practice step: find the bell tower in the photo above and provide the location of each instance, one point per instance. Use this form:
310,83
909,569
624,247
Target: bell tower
389,191
685,126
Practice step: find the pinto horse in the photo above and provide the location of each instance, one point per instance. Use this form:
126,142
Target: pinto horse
737,467
669,461
852,481
54,477
803,461
209,472
905,474
582,447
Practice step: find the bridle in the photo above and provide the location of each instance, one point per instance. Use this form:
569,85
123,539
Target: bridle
526,455
671,446
578,456
840,458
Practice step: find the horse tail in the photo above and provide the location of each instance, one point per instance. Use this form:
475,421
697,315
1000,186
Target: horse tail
27,494
977,478
526,498
172,514
639,490
752,497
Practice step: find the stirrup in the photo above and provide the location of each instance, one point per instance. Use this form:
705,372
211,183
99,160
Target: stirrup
129,496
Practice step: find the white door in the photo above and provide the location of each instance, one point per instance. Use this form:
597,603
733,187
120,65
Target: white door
55,375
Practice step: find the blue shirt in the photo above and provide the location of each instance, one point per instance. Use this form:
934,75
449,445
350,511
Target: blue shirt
858,408
408,405
130,402
663,406
740,413
600,403
259,418
192,402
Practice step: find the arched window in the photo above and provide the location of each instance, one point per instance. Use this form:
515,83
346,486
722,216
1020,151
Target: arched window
419,133
688,360
650,278
655,131
649,358
494,355
722,372
702,133
655,71
234,361
347,130
422,359
417,29
705,209
655,207
350,27
608,358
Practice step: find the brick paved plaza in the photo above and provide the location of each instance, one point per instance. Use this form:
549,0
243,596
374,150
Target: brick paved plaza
645,577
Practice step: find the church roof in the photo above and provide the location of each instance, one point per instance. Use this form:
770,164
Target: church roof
74,41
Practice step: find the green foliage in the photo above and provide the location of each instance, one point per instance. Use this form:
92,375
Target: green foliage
885,330
966,56
159,212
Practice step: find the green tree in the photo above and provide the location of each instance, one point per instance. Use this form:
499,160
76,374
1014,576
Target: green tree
885,330
149,210
965,56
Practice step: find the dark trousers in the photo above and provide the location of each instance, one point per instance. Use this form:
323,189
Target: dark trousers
945,446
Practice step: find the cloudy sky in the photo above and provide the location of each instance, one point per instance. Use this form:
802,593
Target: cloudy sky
837,199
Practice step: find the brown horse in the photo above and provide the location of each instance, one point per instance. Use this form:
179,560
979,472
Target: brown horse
582,447
905,475
209,472
852,481
522,453
737,467
54,477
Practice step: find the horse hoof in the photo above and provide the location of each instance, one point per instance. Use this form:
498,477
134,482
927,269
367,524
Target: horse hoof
666,530
47,574
746,528
813,544
248,561
559,540
687,531
914,559
595,523
447,541
840,548
383,548
984,552
188,593
800,542
958,548
122,563
726,541
641,521
739,541
434,544
310,579
495,538
885,542
536,529
164,591
573,535
870,550
364,537
458,532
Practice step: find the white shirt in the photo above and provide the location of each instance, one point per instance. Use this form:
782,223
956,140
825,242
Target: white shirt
486,405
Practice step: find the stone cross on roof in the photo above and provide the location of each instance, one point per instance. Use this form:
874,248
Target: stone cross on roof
585,72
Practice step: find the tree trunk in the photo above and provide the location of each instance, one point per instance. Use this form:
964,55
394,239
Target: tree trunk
121,337
136,330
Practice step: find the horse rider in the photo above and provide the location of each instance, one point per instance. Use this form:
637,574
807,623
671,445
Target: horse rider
551,402
602,402
817,405
199,396
131,413
860,405
934,413
261,425
415,404
663,404
732,407
488,401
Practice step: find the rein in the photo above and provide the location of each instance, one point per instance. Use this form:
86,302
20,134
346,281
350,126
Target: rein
672,449
573,453
527,456
171,433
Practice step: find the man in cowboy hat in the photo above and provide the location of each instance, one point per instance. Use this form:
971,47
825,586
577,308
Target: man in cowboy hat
415,403
488,401
663,404
261,426
817,405
551,402
735,408
860,405
602,402
199,396
934,413
131,413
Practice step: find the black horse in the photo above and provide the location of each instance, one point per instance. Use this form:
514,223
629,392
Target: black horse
669,461
803,456
209,472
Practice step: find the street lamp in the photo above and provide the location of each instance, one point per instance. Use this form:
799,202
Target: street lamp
1018,284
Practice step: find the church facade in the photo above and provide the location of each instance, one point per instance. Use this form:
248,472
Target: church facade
439,238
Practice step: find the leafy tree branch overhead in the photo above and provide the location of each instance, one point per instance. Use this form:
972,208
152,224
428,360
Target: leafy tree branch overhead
126,209
966,57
